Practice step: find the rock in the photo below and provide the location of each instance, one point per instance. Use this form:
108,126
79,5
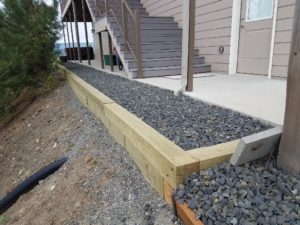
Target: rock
193,204
234,221
77,204
88,159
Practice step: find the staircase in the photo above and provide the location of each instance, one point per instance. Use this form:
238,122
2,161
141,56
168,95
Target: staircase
160,39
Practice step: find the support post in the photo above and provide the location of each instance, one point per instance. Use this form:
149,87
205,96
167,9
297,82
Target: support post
63,28
77,31
124,15
86,33
101,50
72,37
69,53
138,50
111,60
190,72
289,149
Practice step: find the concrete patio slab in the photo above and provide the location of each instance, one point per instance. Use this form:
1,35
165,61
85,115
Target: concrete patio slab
253,95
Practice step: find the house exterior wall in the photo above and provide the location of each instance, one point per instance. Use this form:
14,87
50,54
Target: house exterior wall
283,35
212,30
165,8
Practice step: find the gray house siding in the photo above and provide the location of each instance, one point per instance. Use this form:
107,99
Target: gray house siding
213,26
165,8
213,29
283,37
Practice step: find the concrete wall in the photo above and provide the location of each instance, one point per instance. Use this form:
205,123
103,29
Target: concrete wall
283,37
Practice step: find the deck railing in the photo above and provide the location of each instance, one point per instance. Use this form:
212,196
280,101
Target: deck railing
128,22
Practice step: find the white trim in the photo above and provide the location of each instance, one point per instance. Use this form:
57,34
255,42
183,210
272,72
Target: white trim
185,44
273,39
259,19
235,36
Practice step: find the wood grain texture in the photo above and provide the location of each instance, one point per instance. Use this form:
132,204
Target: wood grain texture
214,155
187,215
289,150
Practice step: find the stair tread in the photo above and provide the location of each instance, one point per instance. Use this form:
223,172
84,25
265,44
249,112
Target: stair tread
169,67
163,59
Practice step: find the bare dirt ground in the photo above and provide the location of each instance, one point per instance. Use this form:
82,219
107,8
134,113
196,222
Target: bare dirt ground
99,184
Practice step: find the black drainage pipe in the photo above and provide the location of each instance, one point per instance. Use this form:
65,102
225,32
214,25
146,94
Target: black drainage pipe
29,183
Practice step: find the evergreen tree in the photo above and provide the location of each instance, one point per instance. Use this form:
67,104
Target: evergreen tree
28,32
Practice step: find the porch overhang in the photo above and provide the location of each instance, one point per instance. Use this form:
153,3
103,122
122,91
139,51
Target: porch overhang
66,6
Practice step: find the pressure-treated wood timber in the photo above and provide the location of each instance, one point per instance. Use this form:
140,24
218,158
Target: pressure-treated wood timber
86,33
214,155
166,157
101,50
187,215
289,150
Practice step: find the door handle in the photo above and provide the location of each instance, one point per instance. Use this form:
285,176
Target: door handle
242,26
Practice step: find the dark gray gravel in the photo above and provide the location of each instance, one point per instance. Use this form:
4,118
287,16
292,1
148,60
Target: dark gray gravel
185,121
248,195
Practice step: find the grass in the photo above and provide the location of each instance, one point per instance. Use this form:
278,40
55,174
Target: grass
3,220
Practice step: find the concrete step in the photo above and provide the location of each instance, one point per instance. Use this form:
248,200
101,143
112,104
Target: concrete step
163,62
170,71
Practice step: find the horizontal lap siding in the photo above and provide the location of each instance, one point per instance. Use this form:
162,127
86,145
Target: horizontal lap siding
213,29
166,8
213,26
283,37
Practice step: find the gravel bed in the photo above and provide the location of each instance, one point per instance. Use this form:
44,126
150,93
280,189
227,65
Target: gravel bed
247,195
183,120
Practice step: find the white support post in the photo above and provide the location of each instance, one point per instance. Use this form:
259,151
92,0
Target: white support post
235,35
185,44
273,39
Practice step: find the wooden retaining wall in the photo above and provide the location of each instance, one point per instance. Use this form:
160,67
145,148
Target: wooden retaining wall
162,162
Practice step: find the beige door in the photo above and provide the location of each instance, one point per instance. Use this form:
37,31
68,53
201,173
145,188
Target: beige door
255,36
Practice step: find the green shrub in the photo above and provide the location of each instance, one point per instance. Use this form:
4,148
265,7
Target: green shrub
28,32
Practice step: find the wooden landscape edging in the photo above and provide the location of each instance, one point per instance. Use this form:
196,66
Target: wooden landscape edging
164,164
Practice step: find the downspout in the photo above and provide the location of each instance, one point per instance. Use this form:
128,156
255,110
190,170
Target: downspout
185,44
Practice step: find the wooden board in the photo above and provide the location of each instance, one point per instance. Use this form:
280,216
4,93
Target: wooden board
187,215
167,158
214,155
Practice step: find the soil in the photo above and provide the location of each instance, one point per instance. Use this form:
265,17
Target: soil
99,184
